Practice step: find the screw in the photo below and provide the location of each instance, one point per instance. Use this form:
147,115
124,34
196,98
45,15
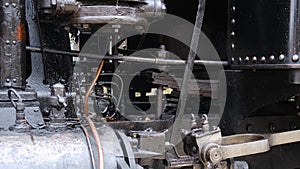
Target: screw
272,58
295,58
281,57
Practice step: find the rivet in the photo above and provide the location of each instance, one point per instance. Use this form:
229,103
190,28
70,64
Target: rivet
240,60
232,60
232,34
247,59
6,4
232,46
233,21
263,59
14,42
7,80
14,5
295,58
14,80
254,59
7,42
233,8
272,58
281,57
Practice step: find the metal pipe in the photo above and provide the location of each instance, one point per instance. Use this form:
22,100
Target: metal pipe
175,134
129,58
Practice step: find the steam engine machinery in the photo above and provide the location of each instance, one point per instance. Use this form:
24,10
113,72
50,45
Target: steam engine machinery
153,84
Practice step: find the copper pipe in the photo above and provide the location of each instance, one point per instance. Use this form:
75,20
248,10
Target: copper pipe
89,145
90,122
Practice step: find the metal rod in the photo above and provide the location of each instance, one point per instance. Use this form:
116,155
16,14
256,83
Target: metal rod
175,134
129,58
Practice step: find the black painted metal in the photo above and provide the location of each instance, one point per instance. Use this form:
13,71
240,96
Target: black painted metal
263,34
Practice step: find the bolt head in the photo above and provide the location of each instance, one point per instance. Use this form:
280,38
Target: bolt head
7,42
14,5
263,59
6,4
272,58
14,42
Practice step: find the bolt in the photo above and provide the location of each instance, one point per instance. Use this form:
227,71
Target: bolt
14,5
14,80
232,34
14,42
7,42
6,4
263,59
272,58
295,58
281,57
7,80
247,59
233,21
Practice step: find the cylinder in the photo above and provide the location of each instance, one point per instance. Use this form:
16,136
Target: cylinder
43,151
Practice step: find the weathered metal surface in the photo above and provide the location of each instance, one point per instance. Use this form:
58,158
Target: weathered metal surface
57,150
12,44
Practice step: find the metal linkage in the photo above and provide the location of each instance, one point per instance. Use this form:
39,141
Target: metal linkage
128,58
213,148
